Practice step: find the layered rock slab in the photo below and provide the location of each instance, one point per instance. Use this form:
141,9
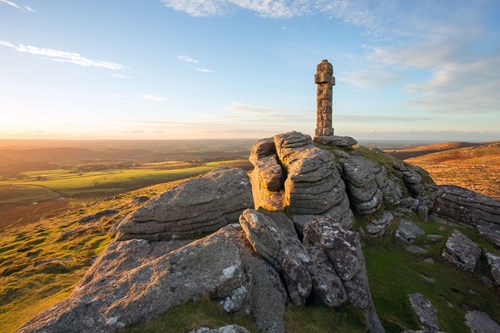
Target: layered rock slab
408,231
467,206
343,248
280,246
313,185
198,206
134,281
461,251
480,322
425,311
494,263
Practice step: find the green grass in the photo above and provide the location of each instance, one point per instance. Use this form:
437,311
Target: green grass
191,316
15,194
394,273
107,181
321,319
26,290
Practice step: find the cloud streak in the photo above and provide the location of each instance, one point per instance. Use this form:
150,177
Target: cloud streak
204,70
62,56
187,59
15,5
352,12
152,97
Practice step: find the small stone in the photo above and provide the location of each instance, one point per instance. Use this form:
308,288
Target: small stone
494,262
416,249
425,311
408,231
434,237
480,322
429,261
491,233
461,251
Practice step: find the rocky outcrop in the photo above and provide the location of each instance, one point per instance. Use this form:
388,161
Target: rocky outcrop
467,206
378,225
280,246
136,280
494,262
327,286
313,185
388,184
408,231
490,232
461,251
343,249
480,322
425,311
362,188
198,206
267,177
420,185
269,173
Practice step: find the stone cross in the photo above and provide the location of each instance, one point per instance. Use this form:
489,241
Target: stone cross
325,80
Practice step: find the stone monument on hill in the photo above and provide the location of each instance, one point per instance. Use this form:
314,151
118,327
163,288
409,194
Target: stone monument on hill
324,108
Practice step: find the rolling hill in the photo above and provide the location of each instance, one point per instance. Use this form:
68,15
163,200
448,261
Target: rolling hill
473,167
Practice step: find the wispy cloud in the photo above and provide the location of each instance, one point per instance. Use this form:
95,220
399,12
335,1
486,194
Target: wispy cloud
187,59
354,12
152,97
62,56
120,76
204,70
15,5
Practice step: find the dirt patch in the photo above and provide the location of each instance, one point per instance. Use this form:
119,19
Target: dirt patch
13,217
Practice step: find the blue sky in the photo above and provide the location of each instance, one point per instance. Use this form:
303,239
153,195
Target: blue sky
152,69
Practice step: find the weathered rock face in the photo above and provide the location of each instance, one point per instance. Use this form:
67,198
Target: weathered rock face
327,286
278,245
425,311
408,231
195,207
480,322
461,251
467,206
269,173
490,232
420,185
377,226
363,191
166,274
494,262
313,185
343,248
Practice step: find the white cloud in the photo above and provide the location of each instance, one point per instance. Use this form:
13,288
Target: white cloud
15,5
370,78
204,70
187,59
121,76
62,56
152,97
354,12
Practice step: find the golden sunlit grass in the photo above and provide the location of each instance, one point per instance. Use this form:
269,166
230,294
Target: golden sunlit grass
41,263
475,168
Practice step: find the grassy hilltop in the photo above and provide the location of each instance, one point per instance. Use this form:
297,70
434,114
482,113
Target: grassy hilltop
45,250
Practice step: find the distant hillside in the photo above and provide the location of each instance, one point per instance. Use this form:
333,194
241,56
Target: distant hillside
429,149
476,168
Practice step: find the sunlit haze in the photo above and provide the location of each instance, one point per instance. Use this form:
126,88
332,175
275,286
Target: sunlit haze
409,70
